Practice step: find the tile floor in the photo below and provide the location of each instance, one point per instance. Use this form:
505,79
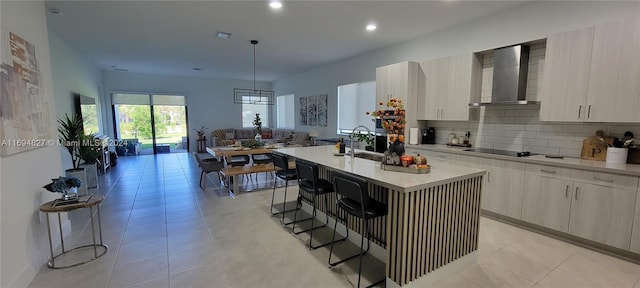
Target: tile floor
164,231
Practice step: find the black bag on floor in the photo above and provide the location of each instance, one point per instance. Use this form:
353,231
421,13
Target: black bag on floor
113,158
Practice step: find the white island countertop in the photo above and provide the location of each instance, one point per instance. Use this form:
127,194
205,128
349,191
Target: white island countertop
441,173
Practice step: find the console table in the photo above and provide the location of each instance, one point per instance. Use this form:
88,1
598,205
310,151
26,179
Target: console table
84,201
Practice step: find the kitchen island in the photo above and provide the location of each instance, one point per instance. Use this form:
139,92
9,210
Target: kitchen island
433,218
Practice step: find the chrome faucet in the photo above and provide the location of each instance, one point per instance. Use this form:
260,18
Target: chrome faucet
353,138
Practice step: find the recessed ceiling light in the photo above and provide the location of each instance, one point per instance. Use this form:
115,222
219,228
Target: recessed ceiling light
223,35
371,27
275,4
55,11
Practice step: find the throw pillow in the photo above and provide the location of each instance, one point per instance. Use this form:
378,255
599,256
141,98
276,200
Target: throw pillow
219,133
230,135
266,134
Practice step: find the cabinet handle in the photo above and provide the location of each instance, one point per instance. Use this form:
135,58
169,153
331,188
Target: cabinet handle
547,171
577,191
566,192
579,111
488,176
601,179
589,112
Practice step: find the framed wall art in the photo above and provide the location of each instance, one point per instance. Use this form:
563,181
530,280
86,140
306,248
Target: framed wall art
302,111
322,110
312,106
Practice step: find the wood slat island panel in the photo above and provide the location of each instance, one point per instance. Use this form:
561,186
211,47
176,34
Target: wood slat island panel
433,218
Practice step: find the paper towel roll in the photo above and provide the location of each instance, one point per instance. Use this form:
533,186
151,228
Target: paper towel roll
617,155
413,136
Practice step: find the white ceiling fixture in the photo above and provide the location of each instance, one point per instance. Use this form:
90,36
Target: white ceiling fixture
55,11
253,96
275,4
371,27
223,35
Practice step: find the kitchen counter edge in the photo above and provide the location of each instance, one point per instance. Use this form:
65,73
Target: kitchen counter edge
567,162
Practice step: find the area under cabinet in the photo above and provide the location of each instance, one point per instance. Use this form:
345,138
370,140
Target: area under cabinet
594,206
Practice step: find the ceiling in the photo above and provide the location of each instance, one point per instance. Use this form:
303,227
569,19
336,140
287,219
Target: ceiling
173,37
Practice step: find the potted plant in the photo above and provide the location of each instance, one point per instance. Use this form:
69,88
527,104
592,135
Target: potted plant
257,124
367,139
201,132
66,185
89,153
71,131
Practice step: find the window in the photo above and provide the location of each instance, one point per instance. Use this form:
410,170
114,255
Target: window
285,113
249,112
354,100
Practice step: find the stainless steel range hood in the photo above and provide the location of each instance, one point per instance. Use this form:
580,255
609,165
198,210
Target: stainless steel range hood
510,69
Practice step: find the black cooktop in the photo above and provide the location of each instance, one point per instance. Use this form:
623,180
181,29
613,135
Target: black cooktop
501,152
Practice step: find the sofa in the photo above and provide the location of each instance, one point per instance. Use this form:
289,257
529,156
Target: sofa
229,136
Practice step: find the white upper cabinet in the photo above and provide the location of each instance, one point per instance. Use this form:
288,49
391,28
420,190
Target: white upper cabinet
614,83
592,74
450,84
564,86
399,81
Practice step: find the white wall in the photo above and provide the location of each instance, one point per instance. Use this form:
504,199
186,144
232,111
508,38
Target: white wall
72,73
524,23
209,101
23,239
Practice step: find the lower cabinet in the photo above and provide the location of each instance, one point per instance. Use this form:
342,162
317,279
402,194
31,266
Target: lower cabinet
504,184
547,201
601,213
635,234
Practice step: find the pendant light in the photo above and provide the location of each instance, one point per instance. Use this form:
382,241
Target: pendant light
253,96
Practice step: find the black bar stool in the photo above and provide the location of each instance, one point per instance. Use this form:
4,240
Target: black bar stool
285,173
355,200
309,182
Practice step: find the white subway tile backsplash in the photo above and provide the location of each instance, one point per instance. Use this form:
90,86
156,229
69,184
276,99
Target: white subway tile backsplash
521,133
543,127
509,126
521,113
518,127
570,144
534,142
504,140
584,128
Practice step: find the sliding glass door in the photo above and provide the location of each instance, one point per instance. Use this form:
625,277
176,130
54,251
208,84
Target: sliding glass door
150,124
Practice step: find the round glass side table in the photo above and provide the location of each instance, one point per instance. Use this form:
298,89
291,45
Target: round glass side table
84,201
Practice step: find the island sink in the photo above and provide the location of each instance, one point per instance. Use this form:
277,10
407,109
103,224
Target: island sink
368,156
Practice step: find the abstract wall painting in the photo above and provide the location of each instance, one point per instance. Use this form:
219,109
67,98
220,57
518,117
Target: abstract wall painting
322,110
302,111
312,112
24,106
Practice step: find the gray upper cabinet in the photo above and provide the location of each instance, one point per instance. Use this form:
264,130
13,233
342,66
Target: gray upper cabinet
399,81
450,83
613,94
566,68
592,74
